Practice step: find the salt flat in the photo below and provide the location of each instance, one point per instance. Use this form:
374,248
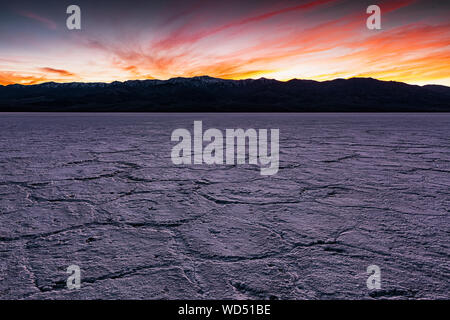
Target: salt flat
100,191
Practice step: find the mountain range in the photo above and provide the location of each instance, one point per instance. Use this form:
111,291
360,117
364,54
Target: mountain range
206,94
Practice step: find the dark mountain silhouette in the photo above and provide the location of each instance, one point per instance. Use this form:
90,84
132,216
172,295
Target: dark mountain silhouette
208,94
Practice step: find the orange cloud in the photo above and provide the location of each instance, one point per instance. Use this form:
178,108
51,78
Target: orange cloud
7,78
63,73
281,42
36,77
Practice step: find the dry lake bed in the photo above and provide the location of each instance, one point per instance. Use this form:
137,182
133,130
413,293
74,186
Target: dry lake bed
100,191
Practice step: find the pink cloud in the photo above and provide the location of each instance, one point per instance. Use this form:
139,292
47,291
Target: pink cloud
45,21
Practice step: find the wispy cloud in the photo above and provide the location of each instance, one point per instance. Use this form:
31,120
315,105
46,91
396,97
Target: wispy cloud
319,40
60,72
45,21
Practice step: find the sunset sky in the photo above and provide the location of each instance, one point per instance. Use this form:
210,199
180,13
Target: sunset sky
319,40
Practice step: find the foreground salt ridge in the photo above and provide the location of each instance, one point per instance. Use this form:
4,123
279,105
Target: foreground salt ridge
101,192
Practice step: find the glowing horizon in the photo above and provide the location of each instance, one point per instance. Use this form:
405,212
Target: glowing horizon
316,40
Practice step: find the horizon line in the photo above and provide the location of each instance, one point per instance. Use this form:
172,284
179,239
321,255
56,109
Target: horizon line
217,78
